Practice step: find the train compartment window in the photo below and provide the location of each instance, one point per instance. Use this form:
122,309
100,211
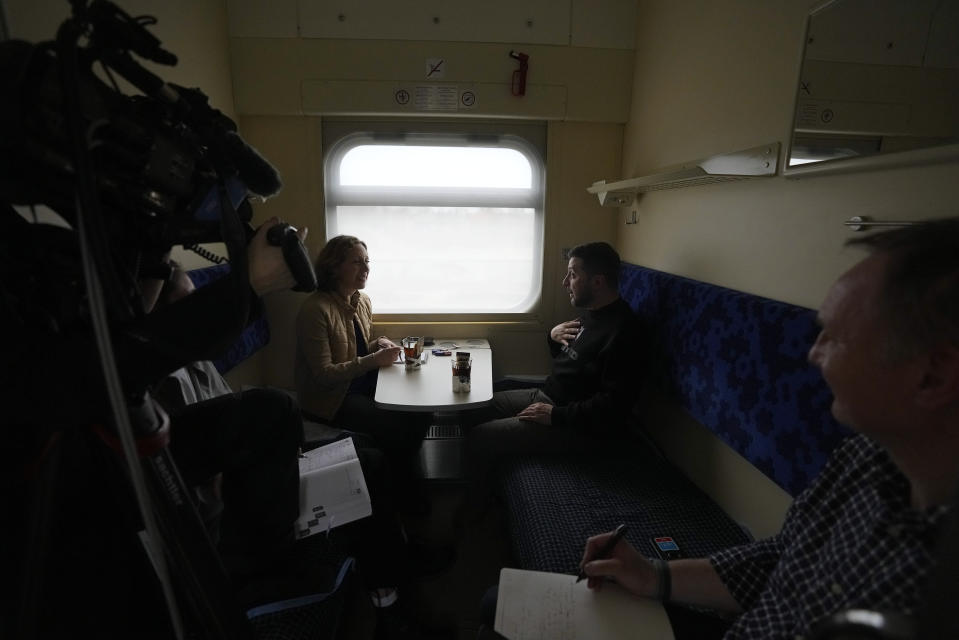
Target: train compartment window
453,222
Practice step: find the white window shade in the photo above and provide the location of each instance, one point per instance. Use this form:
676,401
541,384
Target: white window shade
452,226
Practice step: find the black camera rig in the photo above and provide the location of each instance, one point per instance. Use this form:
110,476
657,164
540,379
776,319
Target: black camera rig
131,176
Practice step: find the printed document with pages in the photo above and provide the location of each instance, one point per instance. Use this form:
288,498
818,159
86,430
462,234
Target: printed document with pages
332,488
534,605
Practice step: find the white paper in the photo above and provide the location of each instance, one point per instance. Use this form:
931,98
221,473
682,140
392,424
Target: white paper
333,490
532,605
328,455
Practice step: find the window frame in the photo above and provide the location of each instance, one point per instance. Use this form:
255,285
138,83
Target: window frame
351,135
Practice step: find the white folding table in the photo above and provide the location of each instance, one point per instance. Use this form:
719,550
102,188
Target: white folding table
430,387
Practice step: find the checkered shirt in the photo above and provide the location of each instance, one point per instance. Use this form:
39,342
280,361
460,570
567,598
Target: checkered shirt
851,540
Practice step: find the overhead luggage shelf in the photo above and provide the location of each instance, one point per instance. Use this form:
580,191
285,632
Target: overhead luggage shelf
738,165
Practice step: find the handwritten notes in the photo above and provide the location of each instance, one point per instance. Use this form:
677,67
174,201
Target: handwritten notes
533,605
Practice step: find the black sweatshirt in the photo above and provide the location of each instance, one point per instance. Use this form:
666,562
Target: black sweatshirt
595,380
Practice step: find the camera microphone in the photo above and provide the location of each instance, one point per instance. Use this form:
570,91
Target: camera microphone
253,169
259,176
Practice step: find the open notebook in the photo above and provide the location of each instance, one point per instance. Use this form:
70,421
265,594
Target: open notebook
533,605
332,488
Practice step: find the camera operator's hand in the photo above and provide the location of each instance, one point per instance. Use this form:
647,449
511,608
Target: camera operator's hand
268,269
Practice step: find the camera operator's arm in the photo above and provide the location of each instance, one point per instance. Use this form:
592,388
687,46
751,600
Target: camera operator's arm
268,269
152,282
149,292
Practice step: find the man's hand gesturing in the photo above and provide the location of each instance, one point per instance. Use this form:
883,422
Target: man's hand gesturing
565,332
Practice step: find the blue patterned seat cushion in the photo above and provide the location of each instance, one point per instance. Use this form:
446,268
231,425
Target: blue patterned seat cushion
321,558
555,503
737,363
254,336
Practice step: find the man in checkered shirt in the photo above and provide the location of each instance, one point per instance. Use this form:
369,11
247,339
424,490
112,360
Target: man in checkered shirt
862,535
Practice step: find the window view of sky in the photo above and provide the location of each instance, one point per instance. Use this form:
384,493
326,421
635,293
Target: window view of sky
422,166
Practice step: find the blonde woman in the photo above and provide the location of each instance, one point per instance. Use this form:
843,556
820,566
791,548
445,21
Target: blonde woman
337,362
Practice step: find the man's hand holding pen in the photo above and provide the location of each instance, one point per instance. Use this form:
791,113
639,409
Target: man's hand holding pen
622,563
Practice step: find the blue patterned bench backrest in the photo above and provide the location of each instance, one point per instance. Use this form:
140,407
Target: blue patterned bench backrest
254,336
737,363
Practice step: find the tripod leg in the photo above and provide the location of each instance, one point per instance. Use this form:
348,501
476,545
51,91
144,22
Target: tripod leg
191,554
70,552
194,562
37,540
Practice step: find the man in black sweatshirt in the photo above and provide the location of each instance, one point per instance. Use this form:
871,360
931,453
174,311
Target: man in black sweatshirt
596,374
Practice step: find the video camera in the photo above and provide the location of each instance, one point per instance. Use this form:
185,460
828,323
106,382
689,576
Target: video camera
158,157
132,175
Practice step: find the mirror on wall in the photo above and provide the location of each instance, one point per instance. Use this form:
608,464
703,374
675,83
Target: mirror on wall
879,86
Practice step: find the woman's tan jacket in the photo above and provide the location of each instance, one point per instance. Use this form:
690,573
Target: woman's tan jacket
326,358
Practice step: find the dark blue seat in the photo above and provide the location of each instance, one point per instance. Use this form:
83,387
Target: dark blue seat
254,336
735,362
555,502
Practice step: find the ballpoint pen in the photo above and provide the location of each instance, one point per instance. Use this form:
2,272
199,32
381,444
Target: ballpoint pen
607,549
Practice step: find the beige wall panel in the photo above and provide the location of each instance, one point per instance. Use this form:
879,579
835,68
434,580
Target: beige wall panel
530,21
359,97
266,76
464,61
565,82
608,24
405,60
597,90
262,18
586,23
